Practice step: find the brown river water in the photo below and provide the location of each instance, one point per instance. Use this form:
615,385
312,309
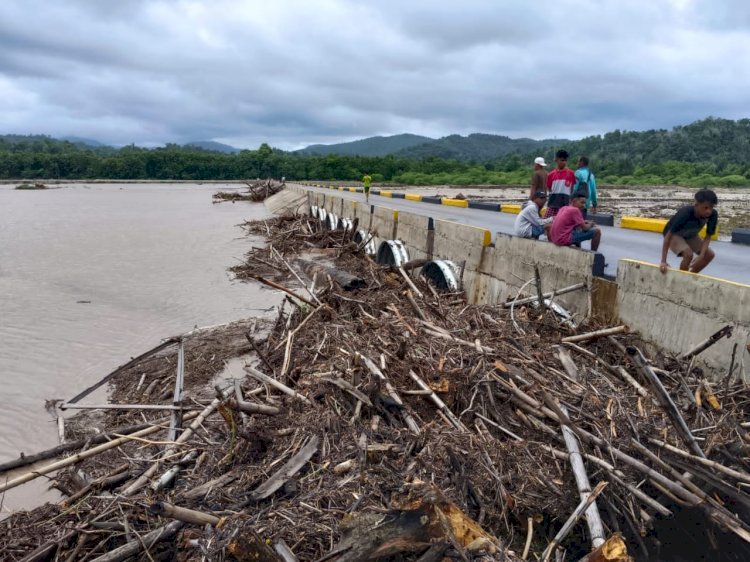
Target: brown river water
94,274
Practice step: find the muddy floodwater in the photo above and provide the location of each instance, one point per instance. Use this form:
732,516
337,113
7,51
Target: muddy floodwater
93,274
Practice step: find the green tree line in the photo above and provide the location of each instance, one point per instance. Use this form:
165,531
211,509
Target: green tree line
712,152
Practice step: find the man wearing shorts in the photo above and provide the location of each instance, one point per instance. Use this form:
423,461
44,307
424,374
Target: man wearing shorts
570,229
681,233
367,181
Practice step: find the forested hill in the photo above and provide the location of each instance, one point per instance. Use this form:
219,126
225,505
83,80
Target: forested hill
711,152
372,146
720,141
478,147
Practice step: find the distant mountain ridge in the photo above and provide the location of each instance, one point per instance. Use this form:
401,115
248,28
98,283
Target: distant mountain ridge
479,147
213,146
371,146
475,147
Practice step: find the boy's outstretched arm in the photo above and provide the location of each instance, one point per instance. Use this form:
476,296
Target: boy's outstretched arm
664,266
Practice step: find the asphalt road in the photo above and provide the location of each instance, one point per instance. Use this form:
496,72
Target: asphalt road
732,261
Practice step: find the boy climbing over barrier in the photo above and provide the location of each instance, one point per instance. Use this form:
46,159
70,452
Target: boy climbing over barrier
367,181
570,229
681,233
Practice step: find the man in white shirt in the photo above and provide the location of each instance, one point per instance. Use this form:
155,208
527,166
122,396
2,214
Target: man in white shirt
528,222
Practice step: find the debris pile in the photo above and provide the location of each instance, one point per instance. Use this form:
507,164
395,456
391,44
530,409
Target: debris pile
385,420
257,191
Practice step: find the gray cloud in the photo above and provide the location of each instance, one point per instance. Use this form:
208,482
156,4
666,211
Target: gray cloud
292,72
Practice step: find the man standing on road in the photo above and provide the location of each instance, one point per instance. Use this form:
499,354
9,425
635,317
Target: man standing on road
539,177
367,181
586,183
560,182
681,233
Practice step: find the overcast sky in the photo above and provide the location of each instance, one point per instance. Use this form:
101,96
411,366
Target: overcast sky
293,73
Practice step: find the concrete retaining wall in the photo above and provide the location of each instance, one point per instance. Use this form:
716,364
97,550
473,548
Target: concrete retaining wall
384,224
675,311
509,263
679,310
417,233
467,246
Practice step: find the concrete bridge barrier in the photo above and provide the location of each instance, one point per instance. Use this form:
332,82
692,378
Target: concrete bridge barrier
676,310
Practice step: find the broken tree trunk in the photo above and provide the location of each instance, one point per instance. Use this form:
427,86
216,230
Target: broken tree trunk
416,527
666,400
77,458
146,541
597,334
613,550
292,467
726,331
346,280
191,516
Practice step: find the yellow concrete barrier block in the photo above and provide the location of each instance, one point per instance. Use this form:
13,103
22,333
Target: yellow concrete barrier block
353,189
487,240
386,193
654,225
510,208
454,202
412,197
641,223
341,188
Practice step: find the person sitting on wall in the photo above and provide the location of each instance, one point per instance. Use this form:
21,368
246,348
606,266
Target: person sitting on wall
528,222
569,228
681,233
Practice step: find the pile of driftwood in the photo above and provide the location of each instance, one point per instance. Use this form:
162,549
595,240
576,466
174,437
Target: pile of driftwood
256,191
378,419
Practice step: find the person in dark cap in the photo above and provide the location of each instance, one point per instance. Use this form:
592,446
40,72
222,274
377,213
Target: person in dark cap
528,222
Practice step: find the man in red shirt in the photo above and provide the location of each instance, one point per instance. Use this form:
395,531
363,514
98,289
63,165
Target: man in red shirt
560,182
569,228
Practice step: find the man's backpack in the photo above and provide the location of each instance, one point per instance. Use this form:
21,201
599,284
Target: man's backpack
582,188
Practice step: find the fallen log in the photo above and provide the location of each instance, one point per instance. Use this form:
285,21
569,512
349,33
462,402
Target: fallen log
414,528
597,334
373,368
135,546
122,368
344,279
726,331
438,402
24,460
275,285
665,400
573,519
262,377
78,457
279,478
252,408
185,515
184,436
551,294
